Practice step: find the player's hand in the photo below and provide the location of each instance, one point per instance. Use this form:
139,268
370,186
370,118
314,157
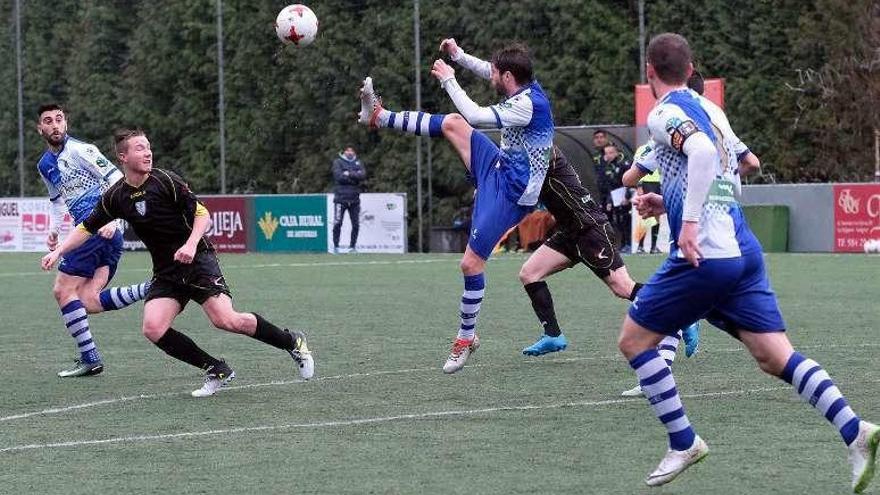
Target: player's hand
450,47
52,241
649,205
688,243
108,231
49,260
185,254
442,71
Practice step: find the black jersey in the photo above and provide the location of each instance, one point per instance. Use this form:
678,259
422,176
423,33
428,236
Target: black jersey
567,199
161,212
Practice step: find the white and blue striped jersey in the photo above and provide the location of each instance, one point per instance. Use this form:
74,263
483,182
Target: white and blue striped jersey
526,123
723,230
76,176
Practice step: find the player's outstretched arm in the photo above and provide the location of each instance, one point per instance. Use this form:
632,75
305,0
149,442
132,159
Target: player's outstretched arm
470,110
476,65
632,176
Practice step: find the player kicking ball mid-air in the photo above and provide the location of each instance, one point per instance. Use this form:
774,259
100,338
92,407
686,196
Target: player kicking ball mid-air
715,271
75,174
172,223
508,179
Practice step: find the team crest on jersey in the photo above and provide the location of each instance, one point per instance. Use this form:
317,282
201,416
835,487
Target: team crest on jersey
141,207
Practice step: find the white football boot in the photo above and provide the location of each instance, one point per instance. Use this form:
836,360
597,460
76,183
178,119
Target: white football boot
862,454
676,461
371,104
461,350
302,356
216,377
633,392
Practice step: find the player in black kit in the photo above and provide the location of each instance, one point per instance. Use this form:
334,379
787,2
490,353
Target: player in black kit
171,222
583,235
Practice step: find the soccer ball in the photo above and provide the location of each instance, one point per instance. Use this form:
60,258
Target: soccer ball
296,24
872,246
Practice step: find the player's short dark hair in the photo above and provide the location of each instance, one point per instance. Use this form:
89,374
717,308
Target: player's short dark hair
515,59
48,107
670,54
122,135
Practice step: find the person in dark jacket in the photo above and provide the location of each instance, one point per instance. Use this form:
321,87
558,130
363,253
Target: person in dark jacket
348,173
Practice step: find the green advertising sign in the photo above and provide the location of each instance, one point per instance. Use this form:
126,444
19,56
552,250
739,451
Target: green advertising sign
291,223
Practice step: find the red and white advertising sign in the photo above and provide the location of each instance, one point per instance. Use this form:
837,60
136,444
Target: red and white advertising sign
856,216
229,229
25,224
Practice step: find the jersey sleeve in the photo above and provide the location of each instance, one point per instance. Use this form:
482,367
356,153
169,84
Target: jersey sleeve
646,157
476,65
513,112
669,125
91,159
103,213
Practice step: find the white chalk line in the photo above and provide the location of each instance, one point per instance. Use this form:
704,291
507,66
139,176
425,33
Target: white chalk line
363,421
275,383
300,264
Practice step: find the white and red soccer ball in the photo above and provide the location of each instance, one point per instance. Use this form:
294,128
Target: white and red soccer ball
296,25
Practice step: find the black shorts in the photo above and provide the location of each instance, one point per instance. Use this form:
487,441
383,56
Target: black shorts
650,187
595,247
198,281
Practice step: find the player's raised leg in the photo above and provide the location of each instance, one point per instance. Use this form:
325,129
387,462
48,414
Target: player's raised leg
544,262
776,356
220,311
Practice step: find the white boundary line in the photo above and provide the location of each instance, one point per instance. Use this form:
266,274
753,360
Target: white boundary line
362,421
301,264
105,402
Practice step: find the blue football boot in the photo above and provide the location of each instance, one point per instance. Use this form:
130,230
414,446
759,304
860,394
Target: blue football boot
545,345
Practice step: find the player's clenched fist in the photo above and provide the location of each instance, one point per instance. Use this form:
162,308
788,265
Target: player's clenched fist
449,47
442,71
185,254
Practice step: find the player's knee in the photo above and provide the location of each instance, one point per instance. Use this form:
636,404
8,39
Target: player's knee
92,303
153,330
63,293
527,275
471,266
769,363
231,322
453,123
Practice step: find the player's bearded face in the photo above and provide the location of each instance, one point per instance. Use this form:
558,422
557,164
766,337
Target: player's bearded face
138,157
53,127
496,83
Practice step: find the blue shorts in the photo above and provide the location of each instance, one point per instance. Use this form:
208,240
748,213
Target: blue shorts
95,253
494,210
732,294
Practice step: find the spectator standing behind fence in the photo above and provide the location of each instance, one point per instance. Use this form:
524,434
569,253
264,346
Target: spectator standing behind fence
348,173
613,165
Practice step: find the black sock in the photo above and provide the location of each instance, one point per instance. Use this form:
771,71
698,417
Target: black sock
182,348
272,335
542,302
636,289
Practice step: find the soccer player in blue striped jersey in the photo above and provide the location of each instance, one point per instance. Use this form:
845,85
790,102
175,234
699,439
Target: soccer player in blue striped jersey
508,178
75,174
715,271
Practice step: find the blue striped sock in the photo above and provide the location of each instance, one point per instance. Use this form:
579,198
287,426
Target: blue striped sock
120,297
471,299
658,384
77,321
668,347
418,123
816,388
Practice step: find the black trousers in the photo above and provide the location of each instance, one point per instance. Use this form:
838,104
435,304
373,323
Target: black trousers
354,214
